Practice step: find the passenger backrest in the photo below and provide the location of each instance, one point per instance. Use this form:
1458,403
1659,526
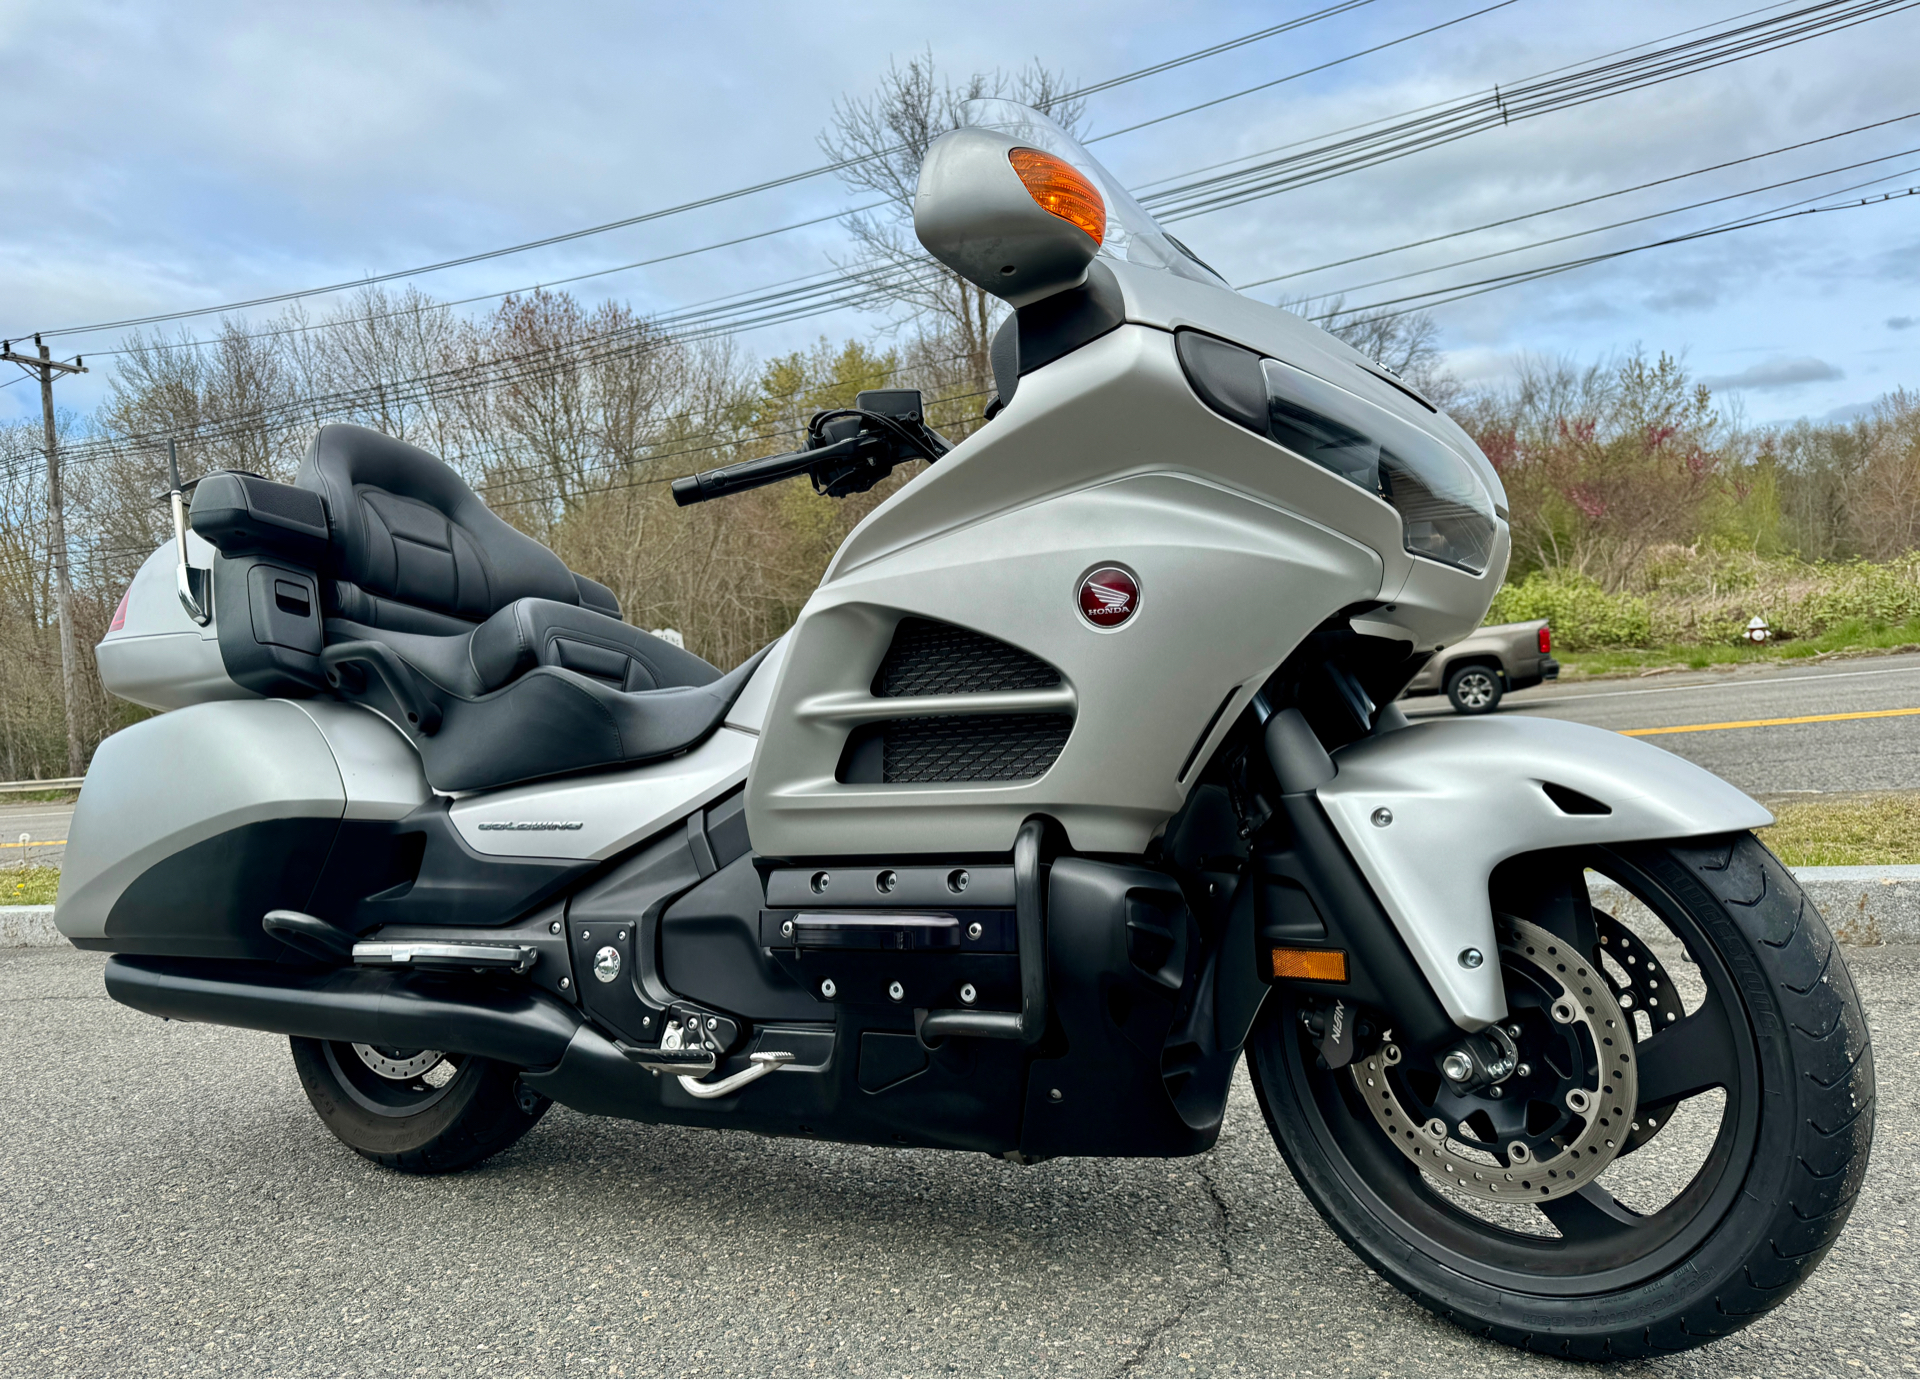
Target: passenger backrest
413,549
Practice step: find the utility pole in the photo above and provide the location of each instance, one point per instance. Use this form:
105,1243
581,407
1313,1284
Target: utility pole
45,368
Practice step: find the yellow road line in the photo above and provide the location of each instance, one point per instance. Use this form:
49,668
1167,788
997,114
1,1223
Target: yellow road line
1770,723
37,843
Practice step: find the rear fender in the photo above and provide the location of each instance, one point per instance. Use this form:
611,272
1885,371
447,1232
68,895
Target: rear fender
1461,796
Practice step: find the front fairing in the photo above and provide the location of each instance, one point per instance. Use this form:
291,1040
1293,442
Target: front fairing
1432,605
1103,457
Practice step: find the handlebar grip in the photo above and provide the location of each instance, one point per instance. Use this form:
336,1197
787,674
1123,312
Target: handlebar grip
751,474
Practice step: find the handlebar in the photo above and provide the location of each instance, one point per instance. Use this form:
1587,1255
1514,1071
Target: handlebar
751,474
849,450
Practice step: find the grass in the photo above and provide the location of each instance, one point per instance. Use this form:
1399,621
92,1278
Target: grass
66,797
1855,637
28,886
1877,828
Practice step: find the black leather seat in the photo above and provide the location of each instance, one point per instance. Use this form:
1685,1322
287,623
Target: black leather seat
502,664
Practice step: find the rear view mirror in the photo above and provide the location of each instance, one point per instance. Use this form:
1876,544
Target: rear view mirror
1012,220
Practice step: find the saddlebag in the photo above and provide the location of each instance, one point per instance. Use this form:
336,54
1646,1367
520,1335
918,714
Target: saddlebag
193,824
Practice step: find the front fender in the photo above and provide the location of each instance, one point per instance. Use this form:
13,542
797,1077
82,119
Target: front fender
1464,795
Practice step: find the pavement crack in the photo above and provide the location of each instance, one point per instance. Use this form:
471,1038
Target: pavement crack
1133,1363
1223,1219
1223,1213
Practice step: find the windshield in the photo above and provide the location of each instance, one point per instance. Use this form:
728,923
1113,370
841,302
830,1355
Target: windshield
1132,234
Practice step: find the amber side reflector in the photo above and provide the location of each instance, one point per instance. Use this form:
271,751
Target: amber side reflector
1312,965
1063,189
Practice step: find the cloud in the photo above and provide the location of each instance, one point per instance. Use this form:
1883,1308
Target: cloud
1847,413
1900,323
1780,372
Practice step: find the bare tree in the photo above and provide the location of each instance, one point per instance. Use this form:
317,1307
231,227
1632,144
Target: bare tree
1406,344
880,141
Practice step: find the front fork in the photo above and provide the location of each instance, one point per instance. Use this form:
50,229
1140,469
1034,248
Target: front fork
1321,929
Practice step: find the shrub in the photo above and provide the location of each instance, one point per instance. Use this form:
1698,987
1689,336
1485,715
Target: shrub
1704,596
1584,616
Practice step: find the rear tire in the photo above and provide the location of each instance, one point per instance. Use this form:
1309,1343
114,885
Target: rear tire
445,1116
1792,1072
1475,689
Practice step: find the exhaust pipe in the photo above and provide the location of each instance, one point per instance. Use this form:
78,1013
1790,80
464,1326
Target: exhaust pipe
523,1027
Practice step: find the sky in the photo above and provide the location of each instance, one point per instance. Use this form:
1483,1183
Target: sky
169,158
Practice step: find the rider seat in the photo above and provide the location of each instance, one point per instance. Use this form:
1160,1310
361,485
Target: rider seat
500,663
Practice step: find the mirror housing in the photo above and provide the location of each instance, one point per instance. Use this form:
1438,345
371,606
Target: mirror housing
974,214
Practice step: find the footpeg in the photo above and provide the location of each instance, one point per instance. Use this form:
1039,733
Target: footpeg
688,1045
691,1065
512,958
697,1062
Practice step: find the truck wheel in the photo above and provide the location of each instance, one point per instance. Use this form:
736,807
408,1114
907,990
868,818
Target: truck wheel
1474,689
416,1110
1681,1140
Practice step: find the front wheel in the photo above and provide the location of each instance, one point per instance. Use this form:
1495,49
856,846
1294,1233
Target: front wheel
418,1110
1680,1142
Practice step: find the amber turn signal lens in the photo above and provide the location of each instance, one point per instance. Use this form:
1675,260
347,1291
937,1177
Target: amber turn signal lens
1313,965
1063,189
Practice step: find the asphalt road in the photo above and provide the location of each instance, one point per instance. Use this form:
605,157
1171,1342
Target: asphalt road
1839,755
45,828
169,1204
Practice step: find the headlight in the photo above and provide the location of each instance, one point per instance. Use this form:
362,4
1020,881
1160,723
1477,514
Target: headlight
1446,514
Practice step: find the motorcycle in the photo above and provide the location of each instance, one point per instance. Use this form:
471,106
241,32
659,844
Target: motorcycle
1077,777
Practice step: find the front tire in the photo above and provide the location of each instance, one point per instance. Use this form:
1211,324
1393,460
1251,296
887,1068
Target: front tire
1475,690
418,1111
1767,1079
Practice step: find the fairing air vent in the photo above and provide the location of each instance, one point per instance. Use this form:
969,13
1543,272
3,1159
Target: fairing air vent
1571,802
933,658
961,747
930,658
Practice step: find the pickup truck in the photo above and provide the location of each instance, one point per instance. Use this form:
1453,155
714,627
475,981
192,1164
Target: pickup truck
1476,671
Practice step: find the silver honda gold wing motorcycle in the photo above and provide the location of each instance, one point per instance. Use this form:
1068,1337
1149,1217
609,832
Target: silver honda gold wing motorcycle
1077,776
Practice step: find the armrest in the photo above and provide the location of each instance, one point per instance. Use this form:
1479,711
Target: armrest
407,688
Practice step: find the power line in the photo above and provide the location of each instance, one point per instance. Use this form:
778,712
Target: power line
171,345
1217,49
1423,301
767,308
1570,205
531,366
513,292
855,210
701,203
1652,215
1475,115
1432,105
1305,72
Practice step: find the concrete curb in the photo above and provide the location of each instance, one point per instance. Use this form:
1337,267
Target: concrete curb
1862,905
1866,905
29,927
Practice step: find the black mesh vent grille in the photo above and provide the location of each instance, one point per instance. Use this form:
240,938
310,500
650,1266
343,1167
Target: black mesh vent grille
973,747
931,658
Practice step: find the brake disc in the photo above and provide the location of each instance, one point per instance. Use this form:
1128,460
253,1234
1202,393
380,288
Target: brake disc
1648,989
1598,1098
398,1065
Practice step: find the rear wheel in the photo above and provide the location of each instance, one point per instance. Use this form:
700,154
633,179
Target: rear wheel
1475,689
421,1111
1607,1199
